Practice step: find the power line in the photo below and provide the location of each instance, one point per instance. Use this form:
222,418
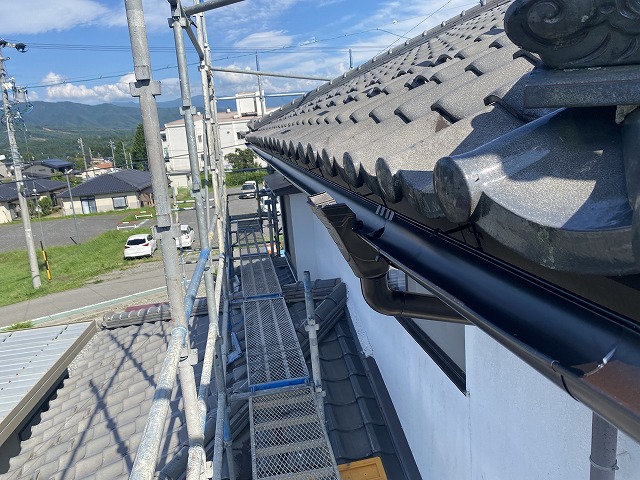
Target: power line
418,24
243,52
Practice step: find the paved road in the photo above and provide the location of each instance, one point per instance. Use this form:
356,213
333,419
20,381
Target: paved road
56,232
59,231
140,285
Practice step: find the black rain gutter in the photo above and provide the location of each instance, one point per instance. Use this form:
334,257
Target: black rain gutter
584,348
372,269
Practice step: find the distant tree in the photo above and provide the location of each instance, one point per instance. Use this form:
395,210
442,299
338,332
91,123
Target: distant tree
138,150
241,159
46,206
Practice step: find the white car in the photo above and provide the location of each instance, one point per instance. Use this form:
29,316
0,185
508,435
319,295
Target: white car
248,189
266,202
187,235
141,245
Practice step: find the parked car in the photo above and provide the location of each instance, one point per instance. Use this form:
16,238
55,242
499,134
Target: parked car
266,202
185,240
141,245
249,189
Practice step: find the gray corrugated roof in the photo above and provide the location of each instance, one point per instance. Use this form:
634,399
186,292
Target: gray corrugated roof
123,181
437,129
26,360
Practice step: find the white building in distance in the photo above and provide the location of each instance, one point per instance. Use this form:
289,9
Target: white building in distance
232,126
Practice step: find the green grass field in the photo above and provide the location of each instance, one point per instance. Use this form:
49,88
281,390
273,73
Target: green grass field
71,266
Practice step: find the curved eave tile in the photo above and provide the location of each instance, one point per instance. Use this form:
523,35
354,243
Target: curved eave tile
553,190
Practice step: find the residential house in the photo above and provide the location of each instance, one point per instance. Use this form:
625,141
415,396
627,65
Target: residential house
232,125
483,234
46,168
34,189
98,167
475,189
110,191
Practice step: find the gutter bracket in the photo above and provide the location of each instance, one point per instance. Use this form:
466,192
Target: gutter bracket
372,268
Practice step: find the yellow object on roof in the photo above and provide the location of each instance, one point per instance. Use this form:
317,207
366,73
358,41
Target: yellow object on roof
368,469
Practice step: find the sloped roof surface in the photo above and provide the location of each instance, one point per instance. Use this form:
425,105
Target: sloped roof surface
94,423
122,181
359,416
56,163
9,193
93,426
437,129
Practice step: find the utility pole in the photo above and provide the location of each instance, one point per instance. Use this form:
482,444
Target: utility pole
113,151
84,159
73,208
8,117
90,163
263,103
124,155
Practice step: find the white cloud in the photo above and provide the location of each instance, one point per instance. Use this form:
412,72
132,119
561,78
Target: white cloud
38,16
49,16
268,39
61,91
250,15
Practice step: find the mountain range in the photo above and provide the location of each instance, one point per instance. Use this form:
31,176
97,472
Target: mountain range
52,129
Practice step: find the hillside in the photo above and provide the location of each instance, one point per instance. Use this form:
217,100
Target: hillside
52,130
63,116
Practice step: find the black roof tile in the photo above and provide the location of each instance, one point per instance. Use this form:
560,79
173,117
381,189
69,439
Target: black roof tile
450,107
122,181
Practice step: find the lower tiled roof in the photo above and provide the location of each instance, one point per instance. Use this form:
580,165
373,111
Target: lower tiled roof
94,424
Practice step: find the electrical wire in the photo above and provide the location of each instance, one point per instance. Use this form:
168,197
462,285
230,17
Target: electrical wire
417,25
303,48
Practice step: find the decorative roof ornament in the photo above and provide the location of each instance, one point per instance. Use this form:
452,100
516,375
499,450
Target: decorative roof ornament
577,33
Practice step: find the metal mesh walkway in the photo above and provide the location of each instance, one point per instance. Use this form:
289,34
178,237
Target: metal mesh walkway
273,351
288,439
288,436
251,242
259,277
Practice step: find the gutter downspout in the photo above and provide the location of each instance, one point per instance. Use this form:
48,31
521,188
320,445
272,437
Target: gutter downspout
372,269
604,445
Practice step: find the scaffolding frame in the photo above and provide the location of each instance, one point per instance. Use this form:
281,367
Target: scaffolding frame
179,360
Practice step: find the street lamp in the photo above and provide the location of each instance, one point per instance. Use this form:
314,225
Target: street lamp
73,208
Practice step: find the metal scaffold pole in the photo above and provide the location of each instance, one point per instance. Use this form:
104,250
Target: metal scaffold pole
212,358
312,328
177,355
7,116
215,353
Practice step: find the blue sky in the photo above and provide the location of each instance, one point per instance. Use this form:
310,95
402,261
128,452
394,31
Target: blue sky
79,49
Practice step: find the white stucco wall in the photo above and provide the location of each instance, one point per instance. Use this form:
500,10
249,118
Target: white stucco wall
5,214
104,203
175,144
512,424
